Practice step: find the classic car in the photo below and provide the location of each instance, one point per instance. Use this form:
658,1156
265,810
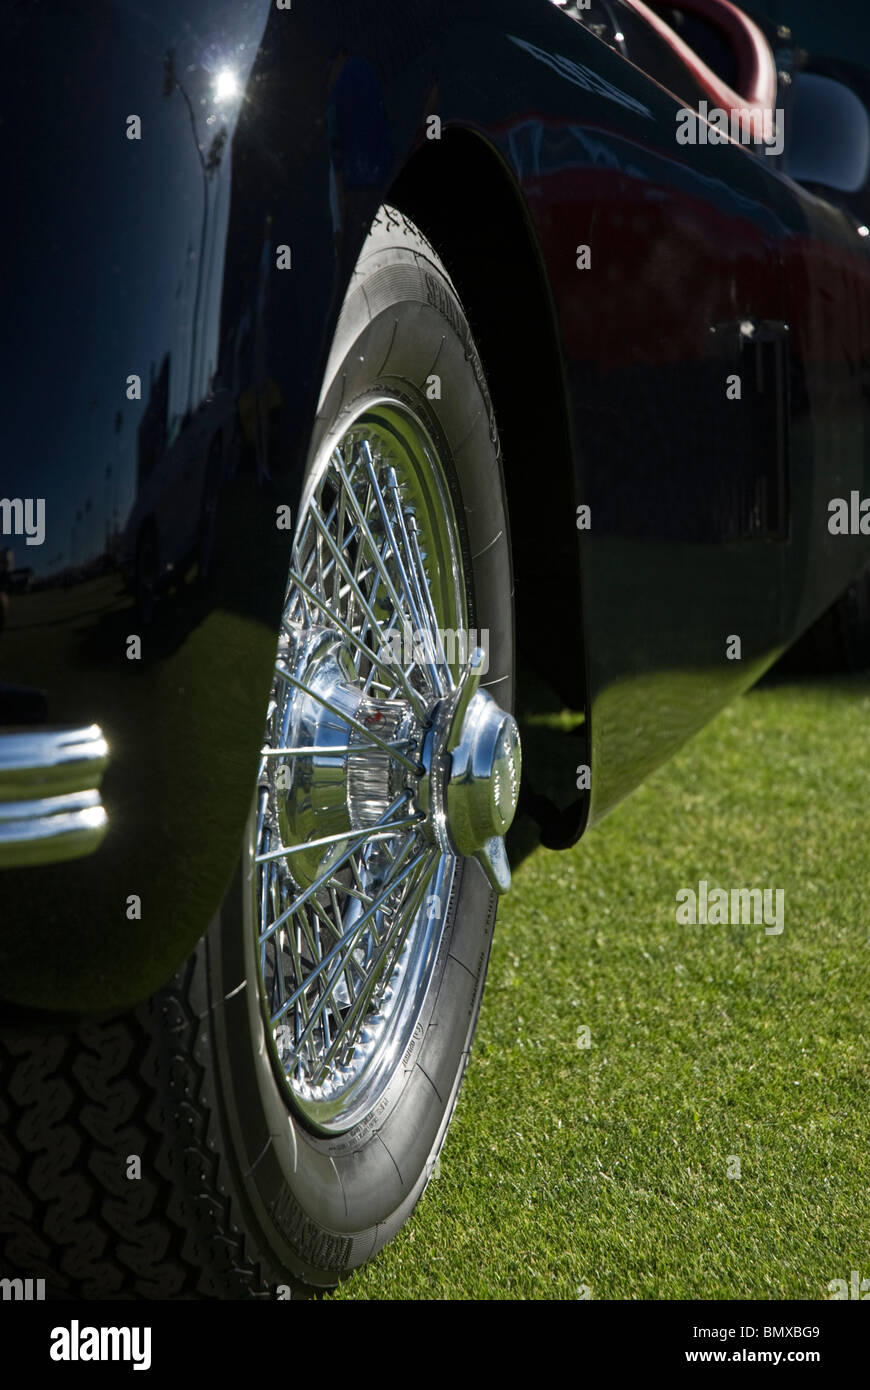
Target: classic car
363,362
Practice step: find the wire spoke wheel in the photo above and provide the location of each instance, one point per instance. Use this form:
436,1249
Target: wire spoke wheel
354,852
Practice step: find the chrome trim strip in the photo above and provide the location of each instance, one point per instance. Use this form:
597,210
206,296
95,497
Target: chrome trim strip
50,806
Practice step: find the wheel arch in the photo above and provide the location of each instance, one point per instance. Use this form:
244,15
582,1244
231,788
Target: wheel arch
464,198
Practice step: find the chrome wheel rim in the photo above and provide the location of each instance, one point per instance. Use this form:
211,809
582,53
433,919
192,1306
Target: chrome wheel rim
383,765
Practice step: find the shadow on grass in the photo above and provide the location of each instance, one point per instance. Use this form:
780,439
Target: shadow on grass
797,674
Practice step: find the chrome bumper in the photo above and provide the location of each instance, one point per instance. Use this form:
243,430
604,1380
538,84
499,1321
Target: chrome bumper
50,806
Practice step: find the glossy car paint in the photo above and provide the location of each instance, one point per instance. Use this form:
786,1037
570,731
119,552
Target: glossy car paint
158,257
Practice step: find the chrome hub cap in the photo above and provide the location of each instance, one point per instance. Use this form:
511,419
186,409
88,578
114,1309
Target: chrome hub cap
384,763
471,775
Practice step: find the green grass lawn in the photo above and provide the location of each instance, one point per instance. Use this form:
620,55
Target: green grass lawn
608,1166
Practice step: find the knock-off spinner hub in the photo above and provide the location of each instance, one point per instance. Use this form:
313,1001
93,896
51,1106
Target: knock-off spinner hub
471,780
484,781
462,767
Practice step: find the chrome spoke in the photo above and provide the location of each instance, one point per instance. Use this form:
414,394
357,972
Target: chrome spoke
323,880
433,620
364,997
390,948
384,573
373,657
390,532
283,850
425,618
346,944
407,584
334,750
